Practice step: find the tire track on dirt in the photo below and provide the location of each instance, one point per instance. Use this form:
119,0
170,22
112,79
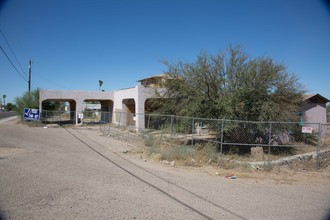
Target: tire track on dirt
185,204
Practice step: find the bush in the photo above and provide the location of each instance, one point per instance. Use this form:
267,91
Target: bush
27,101
177,153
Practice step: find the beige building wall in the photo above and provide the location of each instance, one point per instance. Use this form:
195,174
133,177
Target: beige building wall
128,105
315,112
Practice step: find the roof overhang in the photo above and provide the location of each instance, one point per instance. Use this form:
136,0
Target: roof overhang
316,98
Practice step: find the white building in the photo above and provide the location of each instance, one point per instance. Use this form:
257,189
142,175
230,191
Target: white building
132,101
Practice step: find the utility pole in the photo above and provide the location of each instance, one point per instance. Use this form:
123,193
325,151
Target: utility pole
29,82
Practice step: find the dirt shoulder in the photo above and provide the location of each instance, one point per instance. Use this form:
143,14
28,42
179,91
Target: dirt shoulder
293,173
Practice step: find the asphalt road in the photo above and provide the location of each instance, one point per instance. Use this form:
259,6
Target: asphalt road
57,173
7,114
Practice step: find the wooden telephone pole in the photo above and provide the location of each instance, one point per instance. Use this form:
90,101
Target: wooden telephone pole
29,81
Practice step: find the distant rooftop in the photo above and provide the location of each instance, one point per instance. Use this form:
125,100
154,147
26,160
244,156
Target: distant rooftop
155,81
315,98
162,75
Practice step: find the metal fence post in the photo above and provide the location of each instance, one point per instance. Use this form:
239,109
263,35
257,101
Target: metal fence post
221,138
318,147
101,122
74,119
171,130
110,121
171,126
58,118
148,122
269,141
192,131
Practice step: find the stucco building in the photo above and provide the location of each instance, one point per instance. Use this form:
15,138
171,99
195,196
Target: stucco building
314,109
131,101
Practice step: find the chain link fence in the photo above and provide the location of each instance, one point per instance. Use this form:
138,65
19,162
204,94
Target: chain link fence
200,140
121,126
58,117
239,142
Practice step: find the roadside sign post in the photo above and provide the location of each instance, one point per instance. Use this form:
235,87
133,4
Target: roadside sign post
31,114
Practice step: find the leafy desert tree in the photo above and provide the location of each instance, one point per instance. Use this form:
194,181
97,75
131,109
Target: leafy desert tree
10,106
27,101
231,85
53,105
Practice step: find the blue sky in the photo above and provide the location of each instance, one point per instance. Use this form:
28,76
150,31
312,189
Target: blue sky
75,43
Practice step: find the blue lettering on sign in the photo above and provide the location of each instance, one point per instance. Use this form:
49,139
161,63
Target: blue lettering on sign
31,114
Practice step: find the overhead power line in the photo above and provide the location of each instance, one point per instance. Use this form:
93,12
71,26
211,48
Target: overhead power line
57,84
13,64
13,53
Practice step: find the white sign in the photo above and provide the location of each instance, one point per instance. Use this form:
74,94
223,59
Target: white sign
308,130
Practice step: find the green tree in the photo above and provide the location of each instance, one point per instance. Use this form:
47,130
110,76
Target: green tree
53,105
27,101
10,106
231,85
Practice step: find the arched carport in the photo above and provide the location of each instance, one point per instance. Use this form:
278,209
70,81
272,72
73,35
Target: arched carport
76,99
106,108
71,113
128,106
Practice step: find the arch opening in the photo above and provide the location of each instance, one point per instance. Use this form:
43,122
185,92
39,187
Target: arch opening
58,111
151,106
128,107
97,111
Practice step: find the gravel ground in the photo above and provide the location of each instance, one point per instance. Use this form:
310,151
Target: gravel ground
58,173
